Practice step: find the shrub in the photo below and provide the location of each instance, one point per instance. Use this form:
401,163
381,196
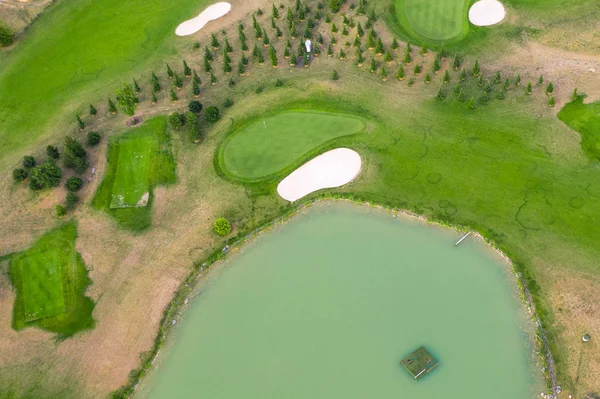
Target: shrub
193,127
72,200
7,35
195,106
212,113
73,184
60,211
278,83
19,174
28,161
228,102
93,138
176,120
222,227
47,174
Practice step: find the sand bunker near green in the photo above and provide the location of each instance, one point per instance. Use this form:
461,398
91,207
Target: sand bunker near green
211,13
486,13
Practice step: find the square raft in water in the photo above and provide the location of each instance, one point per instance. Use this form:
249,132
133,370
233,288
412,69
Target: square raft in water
419,363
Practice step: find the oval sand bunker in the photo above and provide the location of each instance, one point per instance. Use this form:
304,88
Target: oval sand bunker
331,169
486,13
210,13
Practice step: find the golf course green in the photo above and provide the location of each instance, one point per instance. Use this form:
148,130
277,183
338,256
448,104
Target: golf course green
137,161
78,50
50,279
266,146
433,20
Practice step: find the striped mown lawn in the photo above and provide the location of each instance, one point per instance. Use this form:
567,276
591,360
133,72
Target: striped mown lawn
434,20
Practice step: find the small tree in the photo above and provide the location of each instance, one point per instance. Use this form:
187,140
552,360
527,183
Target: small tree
476,69
395,44
424,50
73,184
373,66
173,95
551,101
471,103
456,63
195,106
127,99
463,75
222,227
112,107
28,161
484,97
187,71
518,80
136,86
19,174
266,40
383,74
274,12
342,54
241,69
407,57
175,120
528,88
446,77
72,200
480,81
359,30
497,78
379,46
93,110
195,88
440,95
359,58
330,50
80,122
436,65
273,56
60,211
208,54
427,78
335,75
228,47
47,174
169,71
411,82
371,40
502,95
214,42
212,113
154,99
540,80
400,74
93,139
7,35
334,28
506,84
418,69
549,88
178,82
52,152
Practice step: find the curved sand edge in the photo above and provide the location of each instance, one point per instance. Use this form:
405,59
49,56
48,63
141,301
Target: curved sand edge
212,12
331,169
486,13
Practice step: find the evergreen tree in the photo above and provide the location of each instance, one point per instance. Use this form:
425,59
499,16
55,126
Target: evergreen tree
379,46
293,59
213,79
400,74
407,57
228,47
424,49
461,96
484,97
549,88
440,95
334,28
293,30
359,30
196,78
330,50
278,32
319,39
497,78
487,88
351,24
327,19
457,89
480,81
333,41
169,71
286,53
178,82
80,123
290,15
342,54
241,69
301,15
540,80
361,7
241,34
471,103
456,63
173,95
226,66
316,49
307,33
551,101
436,65
255,51
214,42
359,57
476,69
112,107
372,16
93,110
506,84
501,95
19,175
344,31
52,152
244,46
275,12
28,161
154,100
371,40
418,69
207,67
395,44
463,75
411,82
155,82
207,54
387,56
373,66
261,58
356,42
528,89
384,74
518,80
335,75
301,50
273,55
266,42
427,78
446,77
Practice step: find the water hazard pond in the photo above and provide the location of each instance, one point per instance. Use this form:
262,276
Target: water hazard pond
327,305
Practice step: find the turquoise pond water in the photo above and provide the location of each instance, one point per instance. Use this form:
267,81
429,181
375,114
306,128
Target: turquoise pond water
326,305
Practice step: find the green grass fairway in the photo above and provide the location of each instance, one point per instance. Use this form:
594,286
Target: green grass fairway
41,284
133,169
268,145
50,279
137,161
584,118
77,50
433,20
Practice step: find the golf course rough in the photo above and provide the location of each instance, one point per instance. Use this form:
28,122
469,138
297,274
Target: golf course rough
138,161
267,146
50,279
433,20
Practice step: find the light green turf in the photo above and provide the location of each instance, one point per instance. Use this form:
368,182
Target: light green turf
137,161
133,169
268,145
433,20
584,118
50,279
77,50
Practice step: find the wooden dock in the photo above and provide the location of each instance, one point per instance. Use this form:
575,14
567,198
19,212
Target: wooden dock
461,240
419,363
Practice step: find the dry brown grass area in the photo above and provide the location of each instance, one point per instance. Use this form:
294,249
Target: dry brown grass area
18,14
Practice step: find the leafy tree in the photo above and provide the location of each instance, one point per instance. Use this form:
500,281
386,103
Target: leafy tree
93,110
93,138
60,211
214,42
176,120
212,114
127,99
136,86
74,155
72,200
549,88
112,107
28,161
551,101
52,152
7,35
169,71
476,69
80,123
528,88
74,184
400,74
47,174
19,174
471,103
195,106
173,95
446,77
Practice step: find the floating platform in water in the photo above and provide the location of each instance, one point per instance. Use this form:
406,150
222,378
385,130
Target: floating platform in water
419,363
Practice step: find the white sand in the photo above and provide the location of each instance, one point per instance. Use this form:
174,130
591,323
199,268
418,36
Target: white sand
486,13
331,169
212,12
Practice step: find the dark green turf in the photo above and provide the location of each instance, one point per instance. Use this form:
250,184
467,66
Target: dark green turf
585,119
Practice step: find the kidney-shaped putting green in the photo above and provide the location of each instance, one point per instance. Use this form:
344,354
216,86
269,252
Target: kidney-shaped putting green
269,145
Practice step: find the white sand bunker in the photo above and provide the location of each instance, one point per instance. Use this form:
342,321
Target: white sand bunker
195,24
331,169
486,13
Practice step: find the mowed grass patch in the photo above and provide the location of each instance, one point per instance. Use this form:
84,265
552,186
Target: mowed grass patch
585,119
76,50
266,146
433,20
50,279
138,161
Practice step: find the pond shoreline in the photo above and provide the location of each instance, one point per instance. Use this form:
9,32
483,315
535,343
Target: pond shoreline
173,311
